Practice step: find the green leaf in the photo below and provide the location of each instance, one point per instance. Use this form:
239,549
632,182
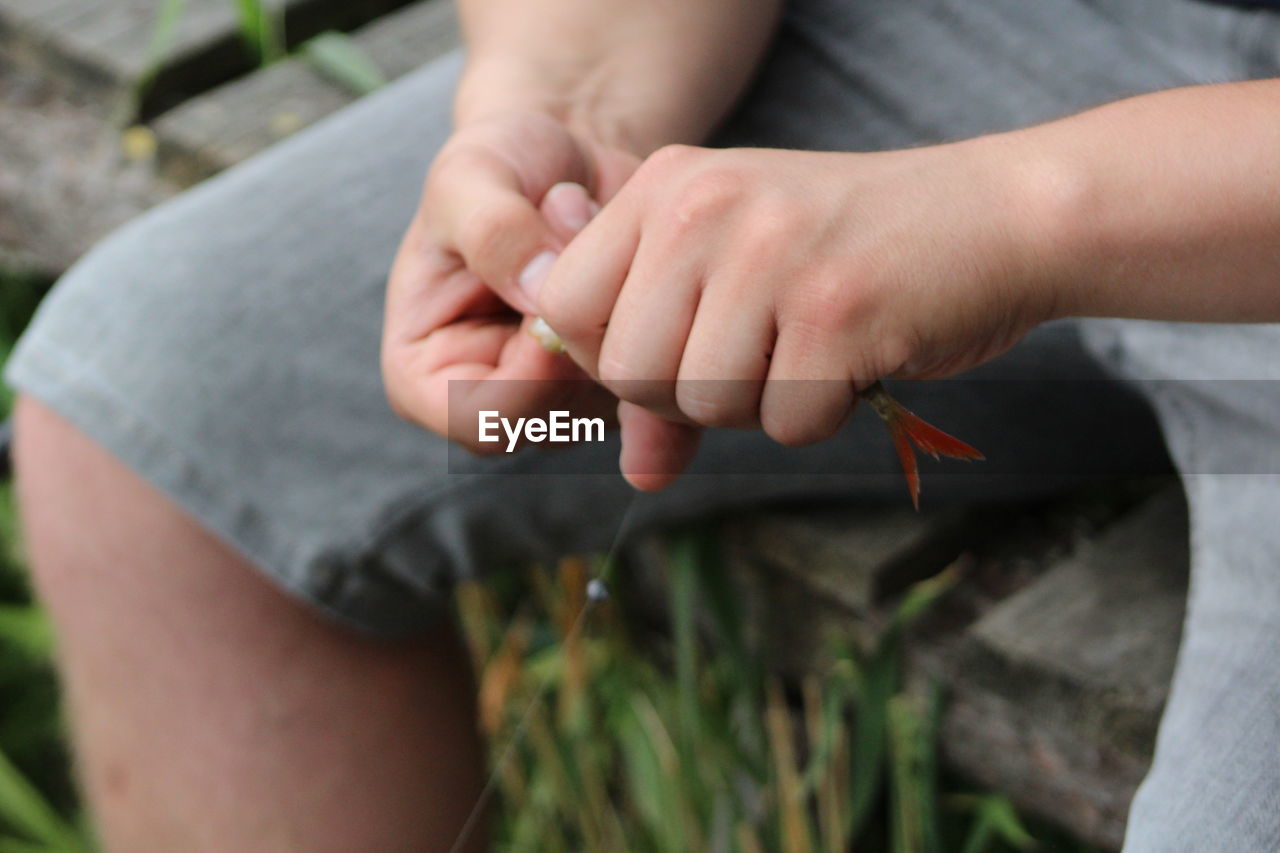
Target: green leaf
871,733
26,811
1006,823
12,845
994,817
921,596
914,816
338,58
263,29
684,596
161,40
25,630
980,836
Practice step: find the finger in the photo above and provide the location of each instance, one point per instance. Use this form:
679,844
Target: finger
640,353
478,364
577,298
429,287
568,207
727,355
489,218
808,395
655,451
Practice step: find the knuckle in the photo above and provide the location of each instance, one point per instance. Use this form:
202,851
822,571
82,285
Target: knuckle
715,403
653,394
768,233
618,370
832,303
625,376
669,157
791,431
706,195
557,310
453,164
486,234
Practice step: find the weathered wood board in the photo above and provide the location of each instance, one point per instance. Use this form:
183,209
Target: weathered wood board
105,46
63,180
65,72
1059,688
235,121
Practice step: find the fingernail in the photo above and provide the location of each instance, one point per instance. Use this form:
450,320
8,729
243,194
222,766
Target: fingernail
535,273
571,205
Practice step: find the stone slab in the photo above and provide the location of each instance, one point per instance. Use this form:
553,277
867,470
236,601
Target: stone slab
235,121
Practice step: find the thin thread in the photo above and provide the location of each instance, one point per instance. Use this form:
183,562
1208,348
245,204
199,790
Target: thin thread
491,784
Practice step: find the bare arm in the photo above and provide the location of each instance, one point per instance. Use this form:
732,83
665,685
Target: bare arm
1163,206
916,263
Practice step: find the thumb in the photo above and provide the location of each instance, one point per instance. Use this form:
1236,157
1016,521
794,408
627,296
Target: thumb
498,231
567,208
655,451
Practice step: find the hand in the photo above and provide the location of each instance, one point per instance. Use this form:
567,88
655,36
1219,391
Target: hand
454,310
747,265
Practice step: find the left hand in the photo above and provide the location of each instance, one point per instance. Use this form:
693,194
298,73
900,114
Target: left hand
752,265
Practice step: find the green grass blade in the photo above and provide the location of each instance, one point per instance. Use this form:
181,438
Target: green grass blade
158,46
24,810
12,845
1004,820
907,788
338,58
839,687
923,595
684,597
262,28
870,734
25,630
980,835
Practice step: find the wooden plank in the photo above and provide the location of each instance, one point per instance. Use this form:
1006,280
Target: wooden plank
236,121
64,183
64,180
1104,623
855,557
103,45
1057,690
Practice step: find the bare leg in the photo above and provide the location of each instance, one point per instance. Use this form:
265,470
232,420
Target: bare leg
211,712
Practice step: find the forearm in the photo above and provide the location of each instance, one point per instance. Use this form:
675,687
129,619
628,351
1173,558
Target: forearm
635,74
1163,206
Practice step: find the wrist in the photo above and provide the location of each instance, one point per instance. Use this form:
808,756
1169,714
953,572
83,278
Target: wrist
1049,204
586,101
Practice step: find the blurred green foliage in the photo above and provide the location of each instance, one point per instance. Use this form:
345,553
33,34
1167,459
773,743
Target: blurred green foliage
606,739
38,810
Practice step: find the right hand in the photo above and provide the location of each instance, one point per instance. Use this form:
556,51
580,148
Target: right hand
455,309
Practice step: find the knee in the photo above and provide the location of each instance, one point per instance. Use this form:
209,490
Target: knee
72,494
